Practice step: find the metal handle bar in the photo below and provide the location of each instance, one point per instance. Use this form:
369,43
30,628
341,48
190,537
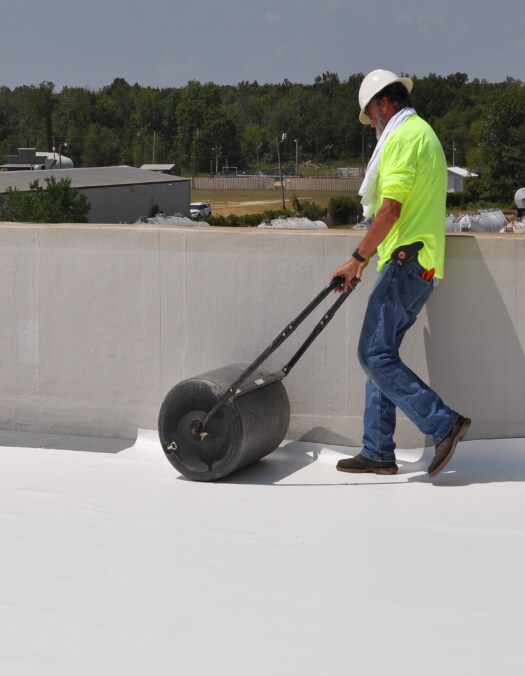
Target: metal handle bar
235,388
317,330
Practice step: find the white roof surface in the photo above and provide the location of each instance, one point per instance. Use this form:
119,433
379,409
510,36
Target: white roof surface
112,563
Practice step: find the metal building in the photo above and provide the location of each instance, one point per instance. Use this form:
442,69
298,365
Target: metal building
116,194
29,158
457,177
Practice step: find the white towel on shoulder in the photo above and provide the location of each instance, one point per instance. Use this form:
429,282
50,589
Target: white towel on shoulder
368,189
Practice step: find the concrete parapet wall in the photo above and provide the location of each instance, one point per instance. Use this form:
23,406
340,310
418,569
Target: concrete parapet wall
99,322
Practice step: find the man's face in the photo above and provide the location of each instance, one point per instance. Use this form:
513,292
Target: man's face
375,113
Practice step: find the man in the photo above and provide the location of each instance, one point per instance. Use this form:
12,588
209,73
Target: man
405,188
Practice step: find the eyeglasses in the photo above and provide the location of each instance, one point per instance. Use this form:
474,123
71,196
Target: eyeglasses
366,110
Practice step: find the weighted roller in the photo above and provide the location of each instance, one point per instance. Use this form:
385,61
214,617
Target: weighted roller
242,431
220,421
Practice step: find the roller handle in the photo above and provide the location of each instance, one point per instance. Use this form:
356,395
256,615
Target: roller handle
279,340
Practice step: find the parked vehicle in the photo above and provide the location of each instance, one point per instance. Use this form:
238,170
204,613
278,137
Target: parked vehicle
198,209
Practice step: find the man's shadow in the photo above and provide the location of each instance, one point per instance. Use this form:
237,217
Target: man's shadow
483,461
475,462
476,358
290,457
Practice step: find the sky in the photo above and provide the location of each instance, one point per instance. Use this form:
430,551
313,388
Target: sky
166,43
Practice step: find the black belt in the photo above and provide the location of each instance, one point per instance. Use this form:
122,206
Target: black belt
406,252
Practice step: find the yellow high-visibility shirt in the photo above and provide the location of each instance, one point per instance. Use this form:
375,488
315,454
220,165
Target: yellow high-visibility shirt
413,171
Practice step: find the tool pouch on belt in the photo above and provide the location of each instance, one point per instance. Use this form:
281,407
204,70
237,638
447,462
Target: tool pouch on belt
406,252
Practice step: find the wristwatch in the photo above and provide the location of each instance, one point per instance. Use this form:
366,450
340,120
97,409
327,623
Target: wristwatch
358,256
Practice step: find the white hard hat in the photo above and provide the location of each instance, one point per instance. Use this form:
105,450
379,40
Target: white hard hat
373,83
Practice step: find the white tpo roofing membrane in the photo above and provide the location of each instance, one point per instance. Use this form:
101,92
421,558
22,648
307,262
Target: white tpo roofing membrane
113,563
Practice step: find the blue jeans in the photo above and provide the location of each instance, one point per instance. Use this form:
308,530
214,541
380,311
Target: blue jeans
393,307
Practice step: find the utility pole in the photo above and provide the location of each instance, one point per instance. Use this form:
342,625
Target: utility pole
194,172
217,151
153,154
141,134
279,141
454,153
329,148
296,157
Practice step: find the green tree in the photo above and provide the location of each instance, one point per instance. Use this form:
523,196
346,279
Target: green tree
33,107
58,202
169,100
434,94
147,126
253,142
114,105
219,130
100,147
74,109
324,100
503,139
197,101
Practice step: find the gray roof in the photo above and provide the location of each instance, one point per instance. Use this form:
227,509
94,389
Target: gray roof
91,177
459,171
158,167
16,166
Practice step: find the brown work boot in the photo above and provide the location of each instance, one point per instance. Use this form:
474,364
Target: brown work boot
359,465
445,449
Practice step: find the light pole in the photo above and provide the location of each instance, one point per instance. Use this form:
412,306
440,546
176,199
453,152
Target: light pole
258,149
296,140
329,148
60,146
217,151
454,147
279,141
195,136
141,136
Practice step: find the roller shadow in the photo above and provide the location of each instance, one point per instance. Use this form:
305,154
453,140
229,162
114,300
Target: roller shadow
291,457
278,465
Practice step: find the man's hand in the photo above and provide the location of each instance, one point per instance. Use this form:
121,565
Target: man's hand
351,271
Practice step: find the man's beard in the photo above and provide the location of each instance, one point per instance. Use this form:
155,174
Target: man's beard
380,125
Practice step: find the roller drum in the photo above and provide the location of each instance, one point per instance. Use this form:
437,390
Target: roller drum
241,432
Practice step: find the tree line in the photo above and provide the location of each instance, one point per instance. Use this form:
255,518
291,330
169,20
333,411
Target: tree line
205,128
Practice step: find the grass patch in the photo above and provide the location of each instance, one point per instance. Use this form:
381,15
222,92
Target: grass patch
342,210
240,202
